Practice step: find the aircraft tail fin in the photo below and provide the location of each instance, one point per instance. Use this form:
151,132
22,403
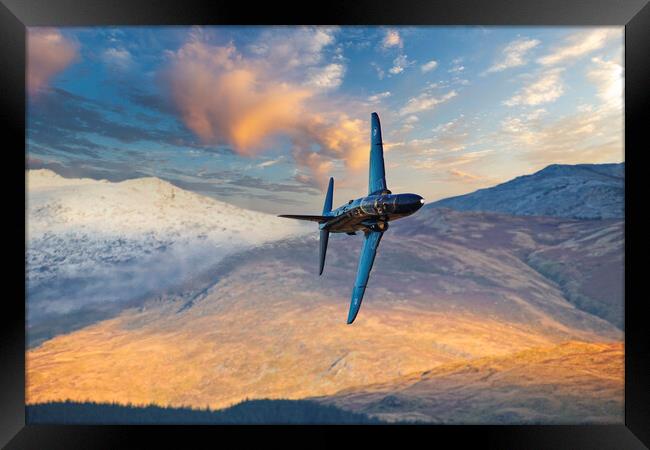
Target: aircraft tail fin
377,178
324,237
327,206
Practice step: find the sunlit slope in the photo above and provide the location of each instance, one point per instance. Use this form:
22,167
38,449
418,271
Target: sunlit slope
569,383
447,287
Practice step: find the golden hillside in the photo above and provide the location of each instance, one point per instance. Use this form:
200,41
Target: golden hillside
574,382
281,352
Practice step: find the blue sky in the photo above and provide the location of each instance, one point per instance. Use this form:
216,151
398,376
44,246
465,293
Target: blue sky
261,117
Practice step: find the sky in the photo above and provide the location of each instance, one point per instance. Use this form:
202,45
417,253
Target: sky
261,117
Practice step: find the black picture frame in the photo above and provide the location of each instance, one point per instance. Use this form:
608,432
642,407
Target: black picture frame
16,15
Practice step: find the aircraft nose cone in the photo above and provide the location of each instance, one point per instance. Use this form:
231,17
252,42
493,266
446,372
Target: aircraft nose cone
414,200
409,203
418,202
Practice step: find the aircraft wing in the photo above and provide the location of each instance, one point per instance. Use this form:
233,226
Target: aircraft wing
319,219
377,178
367,258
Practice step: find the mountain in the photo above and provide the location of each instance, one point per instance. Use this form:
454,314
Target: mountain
582,191
447,288
95,247
570,383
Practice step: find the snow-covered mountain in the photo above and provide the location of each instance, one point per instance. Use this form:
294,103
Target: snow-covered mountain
582,191
96,246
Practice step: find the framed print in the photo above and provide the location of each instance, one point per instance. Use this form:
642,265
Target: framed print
415,218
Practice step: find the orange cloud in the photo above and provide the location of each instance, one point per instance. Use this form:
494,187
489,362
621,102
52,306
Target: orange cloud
466,176
225,98
338,137
48,53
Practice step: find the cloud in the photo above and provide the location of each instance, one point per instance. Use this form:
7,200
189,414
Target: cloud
608,78
328,77
429,66
118,58
399,64
590,134
222,99
457,67
379,70
48,53
408,124
513,54
227,98
424,102
66,122
594,132
378,97
269,162
580,44
289,48
546,88
392,38
446,161
339,136
449,137
465,176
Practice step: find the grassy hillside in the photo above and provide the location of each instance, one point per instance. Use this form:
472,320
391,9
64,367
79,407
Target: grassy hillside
571,383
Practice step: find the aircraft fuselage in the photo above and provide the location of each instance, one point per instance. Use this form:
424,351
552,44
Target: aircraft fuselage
372,213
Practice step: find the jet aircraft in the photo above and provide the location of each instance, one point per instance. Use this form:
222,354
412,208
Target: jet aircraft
369,214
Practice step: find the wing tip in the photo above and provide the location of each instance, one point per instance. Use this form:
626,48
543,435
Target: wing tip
354,307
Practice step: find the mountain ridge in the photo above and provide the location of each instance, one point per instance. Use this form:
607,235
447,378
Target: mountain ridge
581,191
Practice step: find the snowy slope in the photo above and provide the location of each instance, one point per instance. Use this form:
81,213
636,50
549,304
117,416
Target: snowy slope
581,191
144,205
94,245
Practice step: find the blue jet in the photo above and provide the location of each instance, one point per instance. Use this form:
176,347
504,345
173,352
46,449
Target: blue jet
369,214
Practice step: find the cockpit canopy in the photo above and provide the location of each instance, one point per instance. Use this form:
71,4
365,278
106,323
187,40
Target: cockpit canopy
379,204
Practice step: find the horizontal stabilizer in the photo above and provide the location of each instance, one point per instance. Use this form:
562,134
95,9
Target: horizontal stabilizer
319,219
